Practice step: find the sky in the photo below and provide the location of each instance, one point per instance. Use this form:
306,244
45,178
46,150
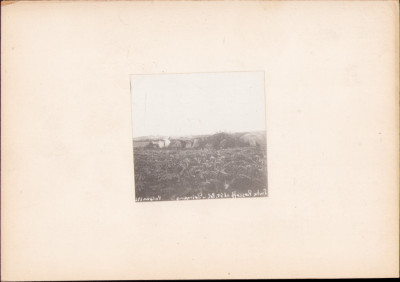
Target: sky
197,103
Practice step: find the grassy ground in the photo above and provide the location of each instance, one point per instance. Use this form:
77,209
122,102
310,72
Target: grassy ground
169,174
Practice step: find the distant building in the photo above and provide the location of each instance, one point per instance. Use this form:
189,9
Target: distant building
176,144
252,140
154,143
140,144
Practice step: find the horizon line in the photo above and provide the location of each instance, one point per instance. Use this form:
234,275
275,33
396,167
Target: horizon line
196,134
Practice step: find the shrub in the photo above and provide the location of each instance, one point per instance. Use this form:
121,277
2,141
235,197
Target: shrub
224,140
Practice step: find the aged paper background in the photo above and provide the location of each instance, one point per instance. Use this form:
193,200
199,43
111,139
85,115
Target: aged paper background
331,71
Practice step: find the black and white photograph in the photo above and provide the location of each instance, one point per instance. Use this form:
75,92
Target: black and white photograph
199,136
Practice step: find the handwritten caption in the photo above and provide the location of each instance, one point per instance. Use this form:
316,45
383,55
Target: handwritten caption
201,196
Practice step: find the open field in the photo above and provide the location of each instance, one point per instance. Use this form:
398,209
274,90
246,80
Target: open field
172,174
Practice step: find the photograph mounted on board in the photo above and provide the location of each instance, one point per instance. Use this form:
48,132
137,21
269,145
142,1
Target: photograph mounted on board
199,136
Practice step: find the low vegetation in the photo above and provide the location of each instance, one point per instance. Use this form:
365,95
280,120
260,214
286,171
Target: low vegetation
173,174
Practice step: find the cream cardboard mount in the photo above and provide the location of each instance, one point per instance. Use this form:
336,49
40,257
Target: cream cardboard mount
68,195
